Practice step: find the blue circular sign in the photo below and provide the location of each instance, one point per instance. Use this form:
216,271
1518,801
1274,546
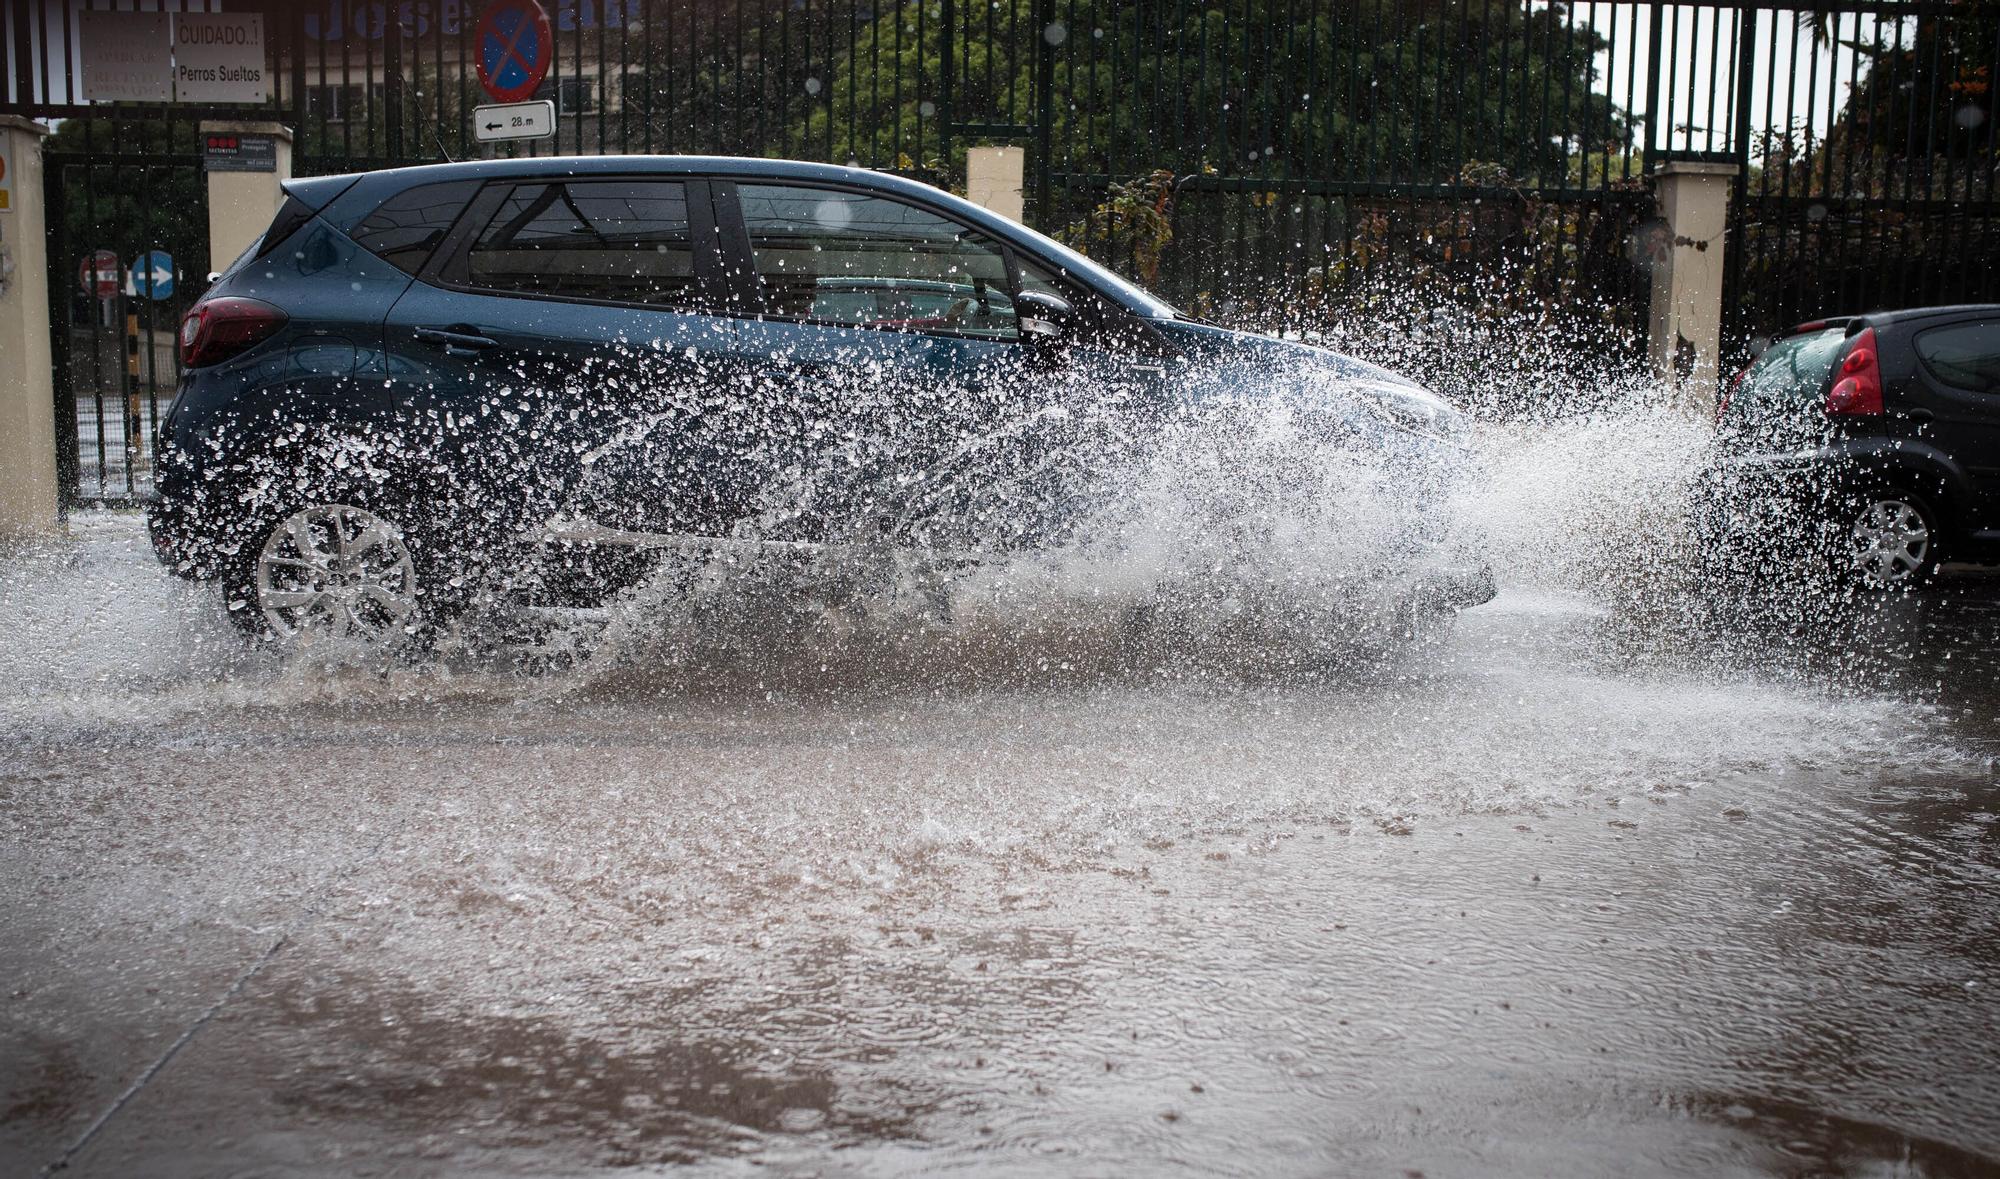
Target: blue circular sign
153,275
515,43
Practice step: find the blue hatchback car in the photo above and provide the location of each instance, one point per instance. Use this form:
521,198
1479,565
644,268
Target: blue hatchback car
535,379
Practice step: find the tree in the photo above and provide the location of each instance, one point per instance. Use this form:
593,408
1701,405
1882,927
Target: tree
1890,207
1389,89
1919,121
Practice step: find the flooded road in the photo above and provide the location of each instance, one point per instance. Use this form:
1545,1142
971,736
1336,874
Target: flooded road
1606,881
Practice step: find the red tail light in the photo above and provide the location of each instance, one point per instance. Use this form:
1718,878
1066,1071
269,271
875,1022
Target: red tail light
1857,387
1735,383
217,329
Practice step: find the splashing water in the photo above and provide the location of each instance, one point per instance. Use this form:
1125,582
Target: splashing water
1244,542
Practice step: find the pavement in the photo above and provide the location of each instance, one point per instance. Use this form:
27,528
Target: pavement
1587,888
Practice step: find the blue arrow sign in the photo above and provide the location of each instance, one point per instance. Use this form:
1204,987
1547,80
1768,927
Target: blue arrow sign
153,274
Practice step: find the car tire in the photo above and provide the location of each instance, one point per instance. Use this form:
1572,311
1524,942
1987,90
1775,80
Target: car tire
334,568
1887,539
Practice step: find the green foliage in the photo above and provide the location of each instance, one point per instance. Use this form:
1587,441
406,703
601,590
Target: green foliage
1363,88
1896,188
1135,220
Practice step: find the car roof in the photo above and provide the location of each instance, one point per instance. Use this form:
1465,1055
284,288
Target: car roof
347,198
1928,312
1854,323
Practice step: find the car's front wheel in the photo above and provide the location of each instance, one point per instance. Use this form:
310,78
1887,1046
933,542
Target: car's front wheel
1891,539
329,569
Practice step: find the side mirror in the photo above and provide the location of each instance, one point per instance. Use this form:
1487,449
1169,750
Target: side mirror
1043,316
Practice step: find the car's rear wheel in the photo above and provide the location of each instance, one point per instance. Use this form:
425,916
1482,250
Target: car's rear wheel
330,569
1891,539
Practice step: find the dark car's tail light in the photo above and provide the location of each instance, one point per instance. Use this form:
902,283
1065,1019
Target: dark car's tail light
1729,391
1857,384
217,329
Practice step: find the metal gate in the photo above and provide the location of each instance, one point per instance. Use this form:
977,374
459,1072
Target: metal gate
998,80
113,327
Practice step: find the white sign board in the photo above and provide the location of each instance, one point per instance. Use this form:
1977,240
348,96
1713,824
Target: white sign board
219,58
127,56
514,120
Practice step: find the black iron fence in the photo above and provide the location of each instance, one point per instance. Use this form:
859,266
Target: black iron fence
1311,164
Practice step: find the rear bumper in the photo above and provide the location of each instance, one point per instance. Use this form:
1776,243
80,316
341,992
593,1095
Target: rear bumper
1761,496
174,546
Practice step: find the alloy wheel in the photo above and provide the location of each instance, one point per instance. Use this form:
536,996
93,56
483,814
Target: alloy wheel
1889,543
340,570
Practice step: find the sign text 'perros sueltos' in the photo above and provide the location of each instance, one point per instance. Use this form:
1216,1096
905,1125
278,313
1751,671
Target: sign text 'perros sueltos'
209,57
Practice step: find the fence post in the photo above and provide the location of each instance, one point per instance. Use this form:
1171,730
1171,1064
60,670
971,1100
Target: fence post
29,503
993,179
241,204
1684,336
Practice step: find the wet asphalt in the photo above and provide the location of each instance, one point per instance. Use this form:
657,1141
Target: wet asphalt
1596,884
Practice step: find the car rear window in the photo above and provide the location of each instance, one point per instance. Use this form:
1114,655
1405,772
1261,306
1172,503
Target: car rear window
1784,386
404,229
1965,355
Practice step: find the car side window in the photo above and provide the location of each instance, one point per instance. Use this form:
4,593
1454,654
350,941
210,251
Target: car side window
833,256
1963,355
404,229
624,241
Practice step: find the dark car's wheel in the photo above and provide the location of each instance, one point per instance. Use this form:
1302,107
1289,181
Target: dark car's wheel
329,569
1889,539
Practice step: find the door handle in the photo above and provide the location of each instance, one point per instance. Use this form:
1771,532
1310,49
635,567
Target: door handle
459,338
1920,415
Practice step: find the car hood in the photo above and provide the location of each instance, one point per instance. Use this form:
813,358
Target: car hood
1365,397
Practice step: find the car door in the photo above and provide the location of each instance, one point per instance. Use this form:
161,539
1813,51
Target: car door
1959,382
903,401
563,316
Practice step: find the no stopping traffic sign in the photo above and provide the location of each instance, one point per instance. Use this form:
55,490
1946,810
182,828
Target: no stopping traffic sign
515,44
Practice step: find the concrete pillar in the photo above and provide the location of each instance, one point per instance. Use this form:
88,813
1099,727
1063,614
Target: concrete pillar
29,505
1684,336
993,179
241,204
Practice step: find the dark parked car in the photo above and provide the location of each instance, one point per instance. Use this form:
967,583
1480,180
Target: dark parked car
537,379
1876,436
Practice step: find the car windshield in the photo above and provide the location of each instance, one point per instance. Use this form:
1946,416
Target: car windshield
1780,396
1149,304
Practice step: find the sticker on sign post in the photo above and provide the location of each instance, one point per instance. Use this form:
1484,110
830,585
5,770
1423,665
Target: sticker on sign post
515,44
231,151
514,120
